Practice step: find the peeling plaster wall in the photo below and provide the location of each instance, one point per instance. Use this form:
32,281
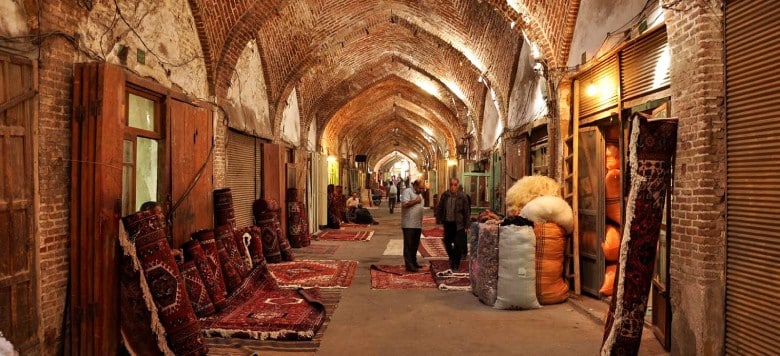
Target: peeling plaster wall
527,102
173,56
247,105
291,124
596,19
491,124
13,21
311,142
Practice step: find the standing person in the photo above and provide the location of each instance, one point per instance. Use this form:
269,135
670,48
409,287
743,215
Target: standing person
411,223
454,212
334,217
392,193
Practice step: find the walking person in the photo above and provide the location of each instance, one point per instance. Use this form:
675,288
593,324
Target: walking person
392,193
411,223
454,212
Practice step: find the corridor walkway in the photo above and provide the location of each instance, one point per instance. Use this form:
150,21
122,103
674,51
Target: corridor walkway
434,322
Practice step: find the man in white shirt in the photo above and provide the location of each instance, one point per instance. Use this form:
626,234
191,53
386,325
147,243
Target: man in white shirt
411,223
352,204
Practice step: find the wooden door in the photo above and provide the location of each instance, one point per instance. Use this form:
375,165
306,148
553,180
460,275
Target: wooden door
191,170
19,317
96,196
590,200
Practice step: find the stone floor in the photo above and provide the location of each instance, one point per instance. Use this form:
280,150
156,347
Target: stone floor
434,322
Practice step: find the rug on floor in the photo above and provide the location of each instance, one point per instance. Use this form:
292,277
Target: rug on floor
258,310
318,249
432,248
345,235
429,220
395,247
447,279
434,232
354,225
310,274
396,277
234,346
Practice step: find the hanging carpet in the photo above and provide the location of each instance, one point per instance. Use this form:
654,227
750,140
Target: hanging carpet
309,274
652,147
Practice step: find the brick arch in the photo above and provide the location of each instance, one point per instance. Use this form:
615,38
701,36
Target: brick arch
425,104
401,42
381,69
553,38
367,132
392,95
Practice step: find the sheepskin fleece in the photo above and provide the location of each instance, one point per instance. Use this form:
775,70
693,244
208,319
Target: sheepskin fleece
549,209
527,189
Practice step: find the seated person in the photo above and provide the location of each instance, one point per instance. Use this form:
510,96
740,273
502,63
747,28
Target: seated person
352,203
363,216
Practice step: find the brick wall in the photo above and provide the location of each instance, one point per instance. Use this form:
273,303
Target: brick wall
54,142
698,211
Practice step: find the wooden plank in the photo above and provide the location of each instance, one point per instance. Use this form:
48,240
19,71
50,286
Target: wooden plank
75,204
191,170
109,178
18,291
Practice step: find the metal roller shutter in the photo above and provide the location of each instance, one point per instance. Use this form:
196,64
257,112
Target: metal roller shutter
753,184
242,175
602,80
644,66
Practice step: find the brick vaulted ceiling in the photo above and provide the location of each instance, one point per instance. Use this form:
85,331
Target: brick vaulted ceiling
381,76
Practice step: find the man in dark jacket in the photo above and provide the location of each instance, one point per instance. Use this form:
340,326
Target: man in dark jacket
454,212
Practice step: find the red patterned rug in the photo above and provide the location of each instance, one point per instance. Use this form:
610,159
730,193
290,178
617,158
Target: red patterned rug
354,225
396,277
435,232
235,346
652,148
318,249
429,220
432,248
450,280
345,235
259,310
309,274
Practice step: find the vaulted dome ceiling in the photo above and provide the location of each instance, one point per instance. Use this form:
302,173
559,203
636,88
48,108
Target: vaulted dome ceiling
381,76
